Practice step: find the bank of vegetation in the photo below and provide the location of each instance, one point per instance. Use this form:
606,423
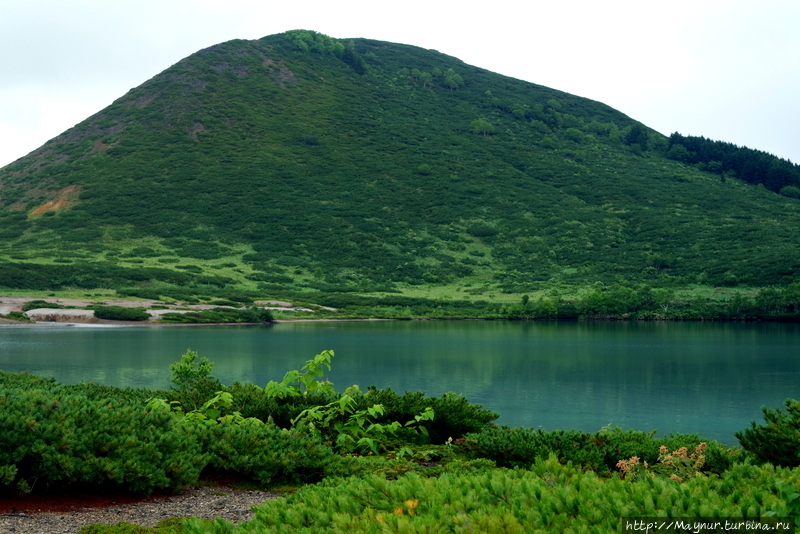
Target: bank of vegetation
377,460
622,301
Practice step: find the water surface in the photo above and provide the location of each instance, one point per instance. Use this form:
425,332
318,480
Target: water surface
709,378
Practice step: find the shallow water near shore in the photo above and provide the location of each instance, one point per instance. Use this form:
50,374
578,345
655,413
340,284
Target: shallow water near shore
708,378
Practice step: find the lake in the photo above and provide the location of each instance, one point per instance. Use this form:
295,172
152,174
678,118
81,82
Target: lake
708,378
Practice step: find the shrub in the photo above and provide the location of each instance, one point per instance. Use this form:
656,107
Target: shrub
778,440
16,316
251,401
455,415
221,315
224,302
548,498
250,447
53,437
600,451
268,454
678,465
194,383
790,191
520,447
481,229
236,444
34,304
346,422
120,313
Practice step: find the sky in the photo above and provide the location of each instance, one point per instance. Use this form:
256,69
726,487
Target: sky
728,70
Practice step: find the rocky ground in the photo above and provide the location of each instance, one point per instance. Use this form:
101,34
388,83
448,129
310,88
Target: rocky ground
68,514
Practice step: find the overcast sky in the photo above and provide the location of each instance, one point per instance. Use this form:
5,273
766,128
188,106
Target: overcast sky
728,70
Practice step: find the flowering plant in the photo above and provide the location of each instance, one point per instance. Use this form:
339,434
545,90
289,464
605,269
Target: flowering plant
677,465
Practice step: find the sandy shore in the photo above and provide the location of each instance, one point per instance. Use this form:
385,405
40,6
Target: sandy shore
79,316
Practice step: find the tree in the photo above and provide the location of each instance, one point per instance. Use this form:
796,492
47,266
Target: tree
453,80
352,58
663,298
790,191
425,78
637,135
481,126
545,308
574,135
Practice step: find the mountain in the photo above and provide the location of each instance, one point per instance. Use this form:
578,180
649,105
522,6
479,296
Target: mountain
303,162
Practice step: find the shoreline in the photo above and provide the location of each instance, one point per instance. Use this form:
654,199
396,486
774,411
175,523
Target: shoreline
75,314
5,323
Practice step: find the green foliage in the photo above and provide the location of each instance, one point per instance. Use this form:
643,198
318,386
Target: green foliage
551,497
517,447
167,526
601,451
193,381
481,126
645,303
311,41
16,316
305,381
790,492
18,275
455,415
188,373
250,447
120,313
340,421
352,58
750,165
790,191
268,454
34,304
57,438
352,430
637,136
221,315
777,441
543,308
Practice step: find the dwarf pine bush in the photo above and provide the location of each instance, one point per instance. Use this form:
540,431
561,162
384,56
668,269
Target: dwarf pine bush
120,313
600,451
550,497
267,454
55,438
777,441
455,415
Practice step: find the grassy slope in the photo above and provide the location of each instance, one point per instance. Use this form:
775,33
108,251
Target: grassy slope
254,164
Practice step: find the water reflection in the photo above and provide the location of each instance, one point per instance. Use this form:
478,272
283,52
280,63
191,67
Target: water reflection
674,377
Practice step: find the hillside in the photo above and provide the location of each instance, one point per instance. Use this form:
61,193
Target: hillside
298,162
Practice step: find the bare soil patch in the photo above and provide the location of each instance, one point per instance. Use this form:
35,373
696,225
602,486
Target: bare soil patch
48,514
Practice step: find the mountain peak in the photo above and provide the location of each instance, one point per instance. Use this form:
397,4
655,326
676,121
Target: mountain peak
305,161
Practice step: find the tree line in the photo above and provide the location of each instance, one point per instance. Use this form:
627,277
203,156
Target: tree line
646,303
728,159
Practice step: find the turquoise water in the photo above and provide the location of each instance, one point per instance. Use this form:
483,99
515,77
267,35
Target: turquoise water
709,378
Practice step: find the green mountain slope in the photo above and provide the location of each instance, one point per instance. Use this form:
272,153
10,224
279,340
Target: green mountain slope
301,161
